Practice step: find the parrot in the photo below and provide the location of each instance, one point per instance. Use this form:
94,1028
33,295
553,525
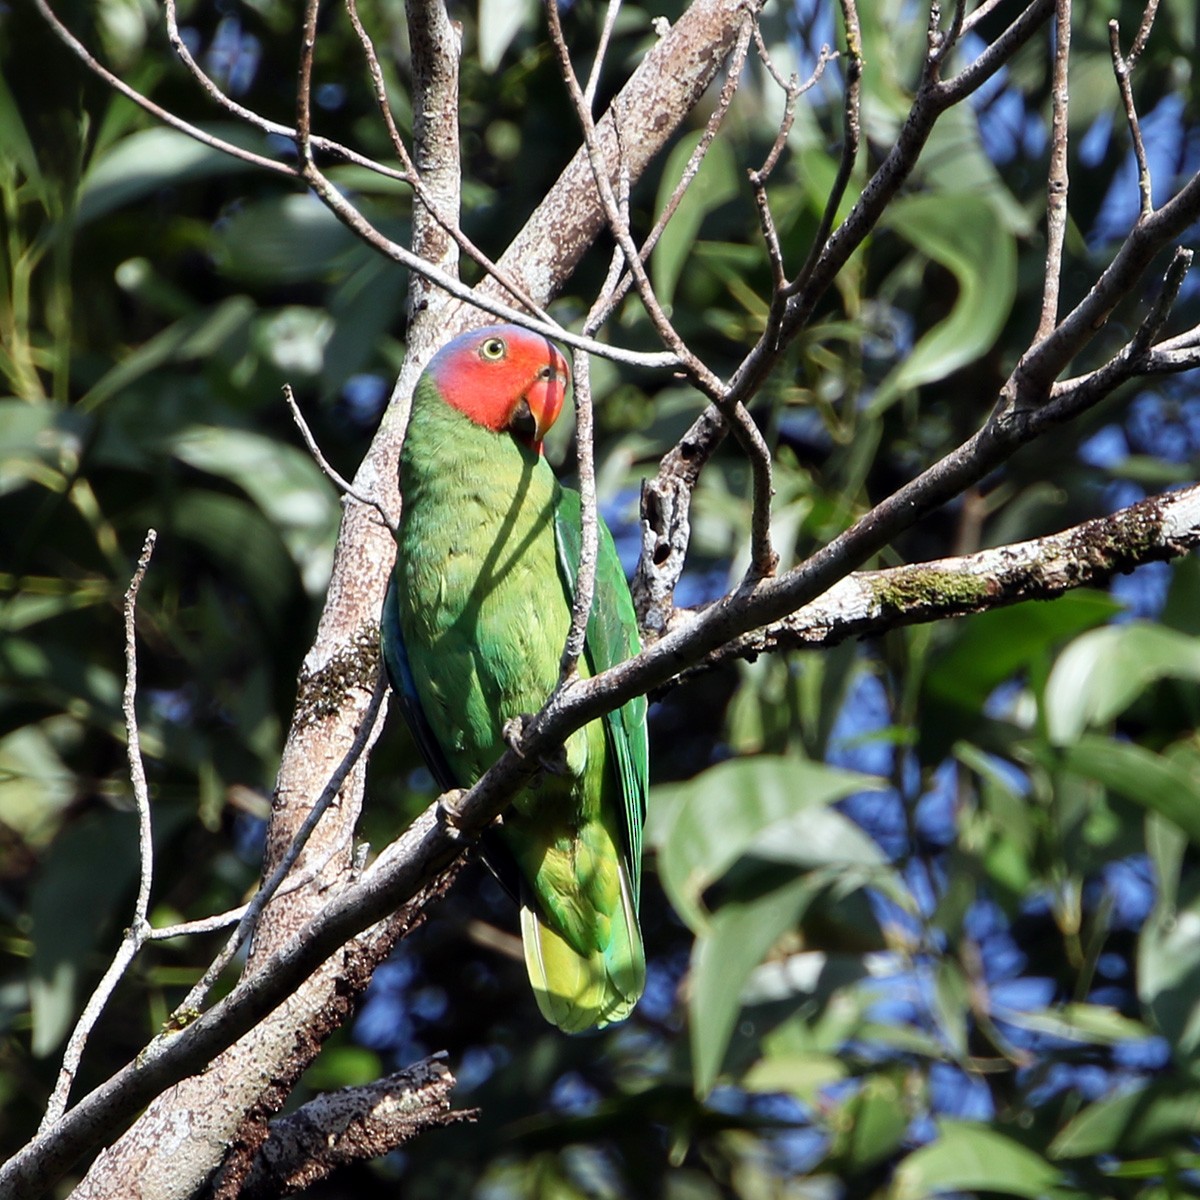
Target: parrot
473,626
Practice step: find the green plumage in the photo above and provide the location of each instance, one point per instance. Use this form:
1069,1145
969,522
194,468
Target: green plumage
479,607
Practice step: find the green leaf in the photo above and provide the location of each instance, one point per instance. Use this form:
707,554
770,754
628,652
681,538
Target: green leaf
990,648
283,239
87,871
871,1125
1102,672
158,158
740,935
1135,1122
1094,1024
282,480
959,231
969,1157
715,183
1151,780
192,337
773,808
1168,969
36,786
499,23
38,443
16,146
803,1075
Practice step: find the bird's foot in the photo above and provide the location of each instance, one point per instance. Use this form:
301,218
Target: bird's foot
513,732
450,815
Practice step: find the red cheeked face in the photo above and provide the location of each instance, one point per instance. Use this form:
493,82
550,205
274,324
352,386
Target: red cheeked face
505,378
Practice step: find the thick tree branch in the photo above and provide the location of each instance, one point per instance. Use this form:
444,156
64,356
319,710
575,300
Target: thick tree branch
350,1125
872,602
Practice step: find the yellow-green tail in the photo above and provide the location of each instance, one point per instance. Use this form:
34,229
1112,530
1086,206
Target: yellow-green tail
576,991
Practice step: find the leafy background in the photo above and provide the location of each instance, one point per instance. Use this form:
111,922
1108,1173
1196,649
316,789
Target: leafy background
923,914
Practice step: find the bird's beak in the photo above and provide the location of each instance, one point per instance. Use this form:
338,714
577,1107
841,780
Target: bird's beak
542,402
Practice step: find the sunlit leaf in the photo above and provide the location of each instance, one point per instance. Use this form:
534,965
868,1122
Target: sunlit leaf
715,183
1102,672
740,935
1134,1122
1159,783
969,1157
982,257
775,808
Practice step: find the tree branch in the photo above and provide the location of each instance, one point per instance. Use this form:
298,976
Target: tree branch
869,603
350,1125
138,931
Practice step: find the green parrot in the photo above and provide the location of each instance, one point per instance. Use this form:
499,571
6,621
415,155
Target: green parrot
473,628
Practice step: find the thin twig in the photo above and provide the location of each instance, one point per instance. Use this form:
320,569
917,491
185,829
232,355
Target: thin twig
165,115
1122,69
413,176
136,933
1057,180
585,578
192,1002
259,122
792,89
610,19
1143,33
308,48
763,558
851,137
944,43
339,481
712,126
979,14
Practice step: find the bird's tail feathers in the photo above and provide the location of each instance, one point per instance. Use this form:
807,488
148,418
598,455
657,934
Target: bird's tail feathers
583,991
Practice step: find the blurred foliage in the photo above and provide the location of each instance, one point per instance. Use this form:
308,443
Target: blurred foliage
922,914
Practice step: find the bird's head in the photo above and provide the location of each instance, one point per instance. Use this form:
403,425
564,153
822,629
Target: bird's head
504,378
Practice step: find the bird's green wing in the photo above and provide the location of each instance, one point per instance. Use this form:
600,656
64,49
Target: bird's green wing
395,658
612,637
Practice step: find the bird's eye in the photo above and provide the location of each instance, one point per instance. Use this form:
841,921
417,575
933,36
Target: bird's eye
493,349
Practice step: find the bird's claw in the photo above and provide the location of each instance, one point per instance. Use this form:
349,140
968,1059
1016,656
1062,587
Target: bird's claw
513,731
450,815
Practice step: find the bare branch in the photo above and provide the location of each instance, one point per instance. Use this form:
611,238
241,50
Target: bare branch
308,47
851,134
350,1125
136,933
1032,379
1143,33
1166,525
737,59
166,116
1122,69
186,1011
868,603
979,14
343,485
447,44
259,122
610,19
763,558
585,580
436,46
1057,181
